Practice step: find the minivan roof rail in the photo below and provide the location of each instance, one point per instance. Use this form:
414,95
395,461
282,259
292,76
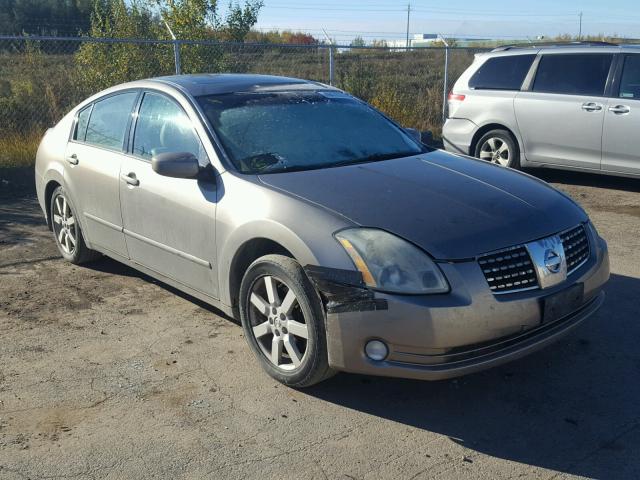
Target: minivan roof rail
594,43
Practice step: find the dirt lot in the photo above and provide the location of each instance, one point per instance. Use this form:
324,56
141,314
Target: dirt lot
105,373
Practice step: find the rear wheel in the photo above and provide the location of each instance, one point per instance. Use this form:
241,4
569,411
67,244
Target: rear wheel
67,231
283,321
499,147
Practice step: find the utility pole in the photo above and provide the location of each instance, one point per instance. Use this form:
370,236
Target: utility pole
580,29
331,67
408,15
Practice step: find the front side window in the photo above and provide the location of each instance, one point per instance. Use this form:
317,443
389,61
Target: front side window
630,81
164,127
81,125
108,121
300,130
573,74
502,73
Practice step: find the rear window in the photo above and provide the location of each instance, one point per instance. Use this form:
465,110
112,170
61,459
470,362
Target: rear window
108,121
573,74
502,73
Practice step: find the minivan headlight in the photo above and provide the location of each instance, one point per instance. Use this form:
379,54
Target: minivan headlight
391,264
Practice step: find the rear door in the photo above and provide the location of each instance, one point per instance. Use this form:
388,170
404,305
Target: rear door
94,155
169,223
561,114
620,141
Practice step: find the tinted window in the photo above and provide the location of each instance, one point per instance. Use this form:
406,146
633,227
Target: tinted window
576,74
502,73
108,121
630,82
164,127
298,130
81,124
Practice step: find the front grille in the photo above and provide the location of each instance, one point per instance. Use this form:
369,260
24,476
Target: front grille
509,270
576,247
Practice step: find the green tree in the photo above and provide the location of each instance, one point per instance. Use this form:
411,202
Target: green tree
358,42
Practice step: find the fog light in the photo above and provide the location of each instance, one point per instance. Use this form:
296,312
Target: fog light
376,350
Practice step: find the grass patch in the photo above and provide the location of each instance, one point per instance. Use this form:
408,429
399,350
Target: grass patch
19,150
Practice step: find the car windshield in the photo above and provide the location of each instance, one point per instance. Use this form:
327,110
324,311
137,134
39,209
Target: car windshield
269,132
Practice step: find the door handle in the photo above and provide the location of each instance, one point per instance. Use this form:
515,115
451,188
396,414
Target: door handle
73,159
591,107
620,109
130,178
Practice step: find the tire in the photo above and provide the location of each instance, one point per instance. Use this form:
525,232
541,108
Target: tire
67,231
275,324
499,147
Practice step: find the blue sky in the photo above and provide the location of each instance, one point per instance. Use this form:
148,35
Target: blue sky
386,19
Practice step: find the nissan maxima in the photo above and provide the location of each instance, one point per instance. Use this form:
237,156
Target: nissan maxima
338,240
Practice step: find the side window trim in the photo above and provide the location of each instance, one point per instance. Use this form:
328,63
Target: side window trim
91,105
527,84
615,74
134,123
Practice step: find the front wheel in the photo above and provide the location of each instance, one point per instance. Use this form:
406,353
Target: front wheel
283,321
499,147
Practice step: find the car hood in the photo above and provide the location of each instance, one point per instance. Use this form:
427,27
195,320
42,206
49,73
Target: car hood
451,206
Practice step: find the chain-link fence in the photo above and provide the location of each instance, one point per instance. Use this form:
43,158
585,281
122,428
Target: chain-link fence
41,78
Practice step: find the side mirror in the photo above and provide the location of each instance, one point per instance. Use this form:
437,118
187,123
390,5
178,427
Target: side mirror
413,133
176,164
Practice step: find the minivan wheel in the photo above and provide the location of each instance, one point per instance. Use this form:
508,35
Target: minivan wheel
283,321
67,231
499,147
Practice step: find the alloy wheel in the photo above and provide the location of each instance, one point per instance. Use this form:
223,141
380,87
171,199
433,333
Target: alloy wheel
496,150
277,323
64,225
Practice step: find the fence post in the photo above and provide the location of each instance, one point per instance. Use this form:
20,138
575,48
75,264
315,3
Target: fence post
176,55
445,84
331,65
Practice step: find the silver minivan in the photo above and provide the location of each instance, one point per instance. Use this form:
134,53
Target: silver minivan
572,106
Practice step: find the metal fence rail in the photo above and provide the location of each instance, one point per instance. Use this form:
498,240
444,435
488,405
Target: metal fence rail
41,78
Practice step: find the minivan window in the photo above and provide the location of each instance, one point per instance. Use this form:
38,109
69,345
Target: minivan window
630,81
109,118
81,124
163,127
573,74
502,73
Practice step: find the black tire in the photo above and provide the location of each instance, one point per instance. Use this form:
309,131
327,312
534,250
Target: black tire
503,136
288,273
80,253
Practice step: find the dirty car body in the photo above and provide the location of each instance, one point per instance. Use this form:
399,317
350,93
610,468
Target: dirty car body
425,264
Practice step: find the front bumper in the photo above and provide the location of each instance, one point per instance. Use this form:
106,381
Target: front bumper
470,329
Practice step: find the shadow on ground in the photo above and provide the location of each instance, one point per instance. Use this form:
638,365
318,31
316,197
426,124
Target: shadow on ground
572,407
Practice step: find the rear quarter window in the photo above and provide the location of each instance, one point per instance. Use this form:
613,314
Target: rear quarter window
502,73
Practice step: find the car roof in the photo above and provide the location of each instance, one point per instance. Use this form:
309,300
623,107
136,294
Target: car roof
219,83
566,47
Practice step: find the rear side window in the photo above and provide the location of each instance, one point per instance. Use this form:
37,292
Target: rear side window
163,127
502,73
630,82
81,124
574,74
108,122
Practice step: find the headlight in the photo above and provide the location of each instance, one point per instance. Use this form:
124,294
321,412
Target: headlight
391,264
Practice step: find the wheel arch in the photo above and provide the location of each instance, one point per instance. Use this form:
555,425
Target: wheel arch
250,242
487,128
50,187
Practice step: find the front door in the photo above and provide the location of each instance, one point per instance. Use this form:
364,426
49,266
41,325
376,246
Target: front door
169,223
93,160
620,143
560,117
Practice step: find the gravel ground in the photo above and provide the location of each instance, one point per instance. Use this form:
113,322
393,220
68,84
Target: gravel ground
106,373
